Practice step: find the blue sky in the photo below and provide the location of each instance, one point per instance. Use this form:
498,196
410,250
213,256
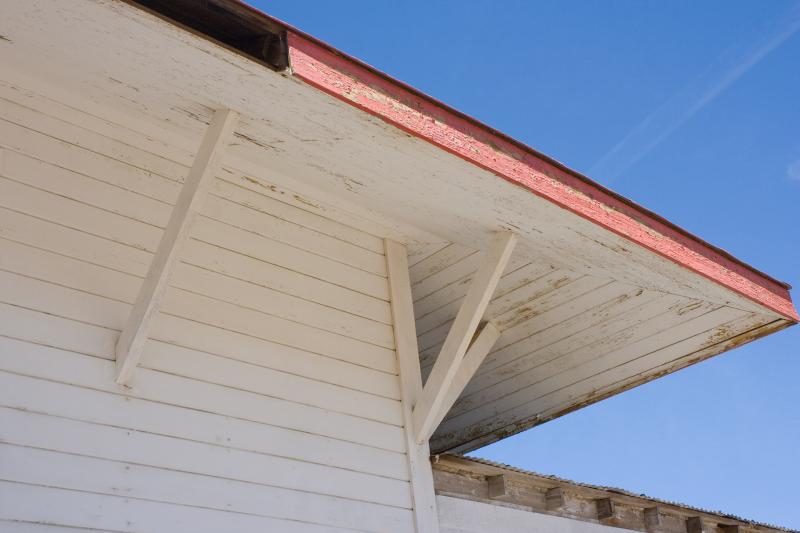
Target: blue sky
689,108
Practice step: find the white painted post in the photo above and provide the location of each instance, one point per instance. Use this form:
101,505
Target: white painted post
193,193
429,408
405,339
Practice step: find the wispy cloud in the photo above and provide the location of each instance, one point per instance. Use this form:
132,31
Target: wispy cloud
793,170
684,104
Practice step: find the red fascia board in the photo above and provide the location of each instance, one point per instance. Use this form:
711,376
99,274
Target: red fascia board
361,86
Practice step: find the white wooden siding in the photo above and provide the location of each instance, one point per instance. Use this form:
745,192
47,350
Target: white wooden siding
267,397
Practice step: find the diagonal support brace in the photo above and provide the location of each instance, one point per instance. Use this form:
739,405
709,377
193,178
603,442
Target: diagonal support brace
431,407
190,200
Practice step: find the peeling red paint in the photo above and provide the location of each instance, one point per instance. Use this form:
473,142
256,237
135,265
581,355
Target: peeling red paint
357,84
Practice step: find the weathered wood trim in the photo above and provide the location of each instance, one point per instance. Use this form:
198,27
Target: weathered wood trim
419,466
193,194
431,407
468,478
375,93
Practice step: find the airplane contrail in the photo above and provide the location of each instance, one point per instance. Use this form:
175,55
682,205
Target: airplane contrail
683,105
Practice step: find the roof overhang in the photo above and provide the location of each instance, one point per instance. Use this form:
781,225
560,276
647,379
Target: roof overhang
601,294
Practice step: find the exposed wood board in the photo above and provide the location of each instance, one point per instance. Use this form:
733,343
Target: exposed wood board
455,288
429,408
47,359
143,482
568,365
418,454
574,345
449,255
190,201
509,295
546,297
637,371
418,252
563,320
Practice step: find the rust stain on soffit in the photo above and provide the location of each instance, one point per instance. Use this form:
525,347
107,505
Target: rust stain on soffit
278,46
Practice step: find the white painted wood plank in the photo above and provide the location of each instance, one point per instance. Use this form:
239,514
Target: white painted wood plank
105,442
63,366
285,280
53,469
93,511
75,215
231,317
428,408
8,526
26,229
81,306
81,161
277,253
151,416
419,467
85,189
278,304
91,278
244,376
74,133
72,273
277,229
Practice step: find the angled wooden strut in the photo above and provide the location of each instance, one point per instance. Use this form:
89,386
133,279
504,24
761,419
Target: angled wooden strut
438,394
190,200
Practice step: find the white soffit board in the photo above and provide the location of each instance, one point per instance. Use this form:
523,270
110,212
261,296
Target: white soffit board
584,313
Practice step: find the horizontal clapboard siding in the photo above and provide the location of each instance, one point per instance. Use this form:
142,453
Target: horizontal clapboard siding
267,398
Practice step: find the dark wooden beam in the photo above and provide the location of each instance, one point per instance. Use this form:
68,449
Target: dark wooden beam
554,498
694,524
605,508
